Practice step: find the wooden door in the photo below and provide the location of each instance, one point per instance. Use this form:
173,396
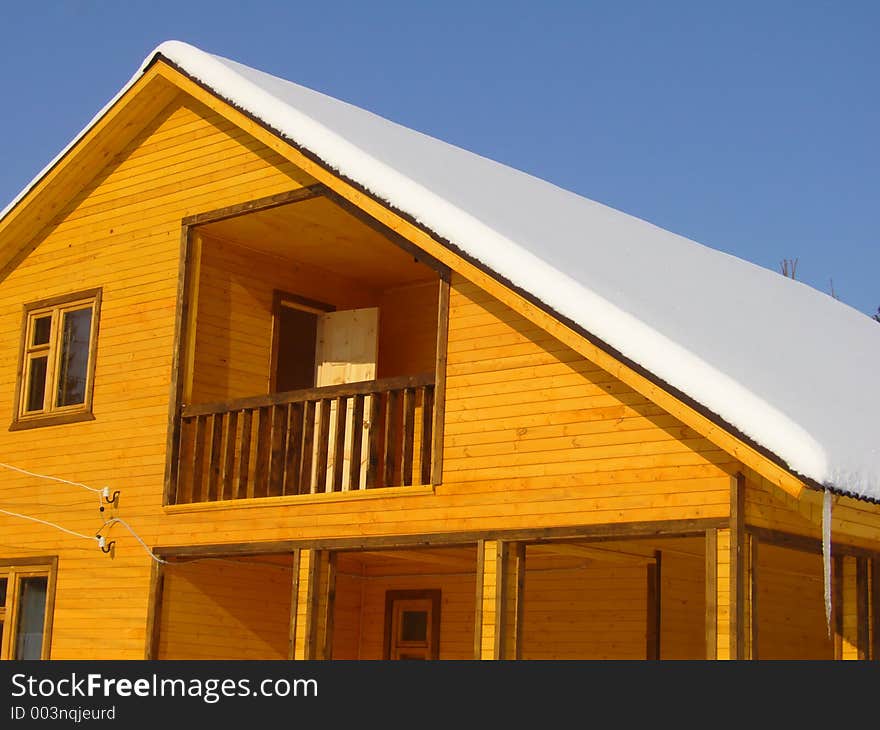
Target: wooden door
346,352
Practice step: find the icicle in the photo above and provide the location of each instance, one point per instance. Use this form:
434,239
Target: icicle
826,555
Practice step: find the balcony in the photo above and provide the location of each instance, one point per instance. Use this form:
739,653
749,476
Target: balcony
342,438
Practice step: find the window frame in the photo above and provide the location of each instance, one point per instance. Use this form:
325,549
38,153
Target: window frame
52,414
14,570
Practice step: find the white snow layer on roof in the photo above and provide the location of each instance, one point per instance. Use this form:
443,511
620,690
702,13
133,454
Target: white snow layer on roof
787,365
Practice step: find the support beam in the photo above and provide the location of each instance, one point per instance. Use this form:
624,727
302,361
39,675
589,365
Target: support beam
850,608
312,604
712,593
498,611
875,609
738,568
154,610
652,632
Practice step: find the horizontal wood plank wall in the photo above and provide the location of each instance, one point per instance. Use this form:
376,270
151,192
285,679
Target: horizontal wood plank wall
408,330
683,605
368,593
226,609
535,436
591,612
347,620
121,232
234,320
854,522
525,412
791,605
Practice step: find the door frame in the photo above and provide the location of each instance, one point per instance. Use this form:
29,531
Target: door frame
431,594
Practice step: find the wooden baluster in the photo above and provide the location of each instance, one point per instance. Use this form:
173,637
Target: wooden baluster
323,446
198,459
244,463
185,456
409,435
374,435
427,425
339,445
390,439
305,481
228,480
279,437
293,450
263,453
215,459
357,433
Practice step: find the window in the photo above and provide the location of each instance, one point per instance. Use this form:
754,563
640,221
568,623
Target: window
412,624
57,363
26,598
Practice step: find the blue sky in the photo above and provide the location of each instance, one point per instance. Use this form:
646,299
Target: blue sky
751,127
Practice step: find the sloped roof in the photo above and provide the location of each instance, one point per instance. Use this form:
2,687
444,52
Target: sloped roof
791,368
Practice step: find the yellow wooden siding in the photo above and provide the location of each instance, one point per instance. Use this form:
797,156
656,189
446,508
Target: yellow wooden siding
408,330
791,608
360,600
683,604
230,609
347,625
591,612
535,436
121,232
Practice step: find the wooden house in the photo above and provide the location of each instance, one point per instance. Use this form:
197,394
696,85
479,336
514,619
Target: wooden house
356,393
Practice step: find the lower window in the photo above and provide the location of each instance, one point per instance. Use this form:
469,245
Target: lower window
26,597
412,624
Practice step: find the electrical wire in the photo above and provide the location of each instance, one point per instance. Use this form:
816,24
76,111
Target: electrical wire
50,524
50,478
114,520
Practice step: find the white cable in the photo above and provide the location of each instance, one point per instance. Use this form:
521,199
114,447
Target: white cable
54,479
114,520
50,524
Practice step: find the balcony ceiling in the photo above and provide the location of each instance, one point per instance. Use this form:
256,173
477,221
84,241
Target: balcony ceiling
320,233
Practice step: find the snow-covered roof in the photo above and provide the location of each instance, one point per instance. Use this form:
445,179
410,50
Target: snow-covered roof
791,368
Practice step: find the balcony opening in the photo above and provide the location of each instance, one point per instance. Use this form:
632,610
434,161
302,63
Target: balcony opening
310,361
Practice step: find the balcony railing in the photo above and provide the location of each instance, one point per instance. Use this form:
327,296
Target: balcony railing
333,439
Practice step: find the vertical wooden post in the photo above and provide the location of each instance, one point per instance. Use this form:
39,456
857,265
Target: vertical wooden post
738,562
850,608
652,631
863,618
711,593
301,613
724,625
875,609
752,612
487,599
440,380
510,584
154,610
292,645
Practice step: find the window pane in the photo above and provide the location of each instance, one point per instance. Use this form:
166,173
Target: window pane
31,613
414,626
42,328
37,386
76,329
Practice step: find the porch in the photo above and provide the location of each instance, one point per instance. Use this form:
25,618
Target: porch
619,597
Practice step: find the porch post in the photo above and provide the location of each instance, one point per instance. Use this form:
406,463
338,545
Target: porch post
312,603
851,619
499,605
